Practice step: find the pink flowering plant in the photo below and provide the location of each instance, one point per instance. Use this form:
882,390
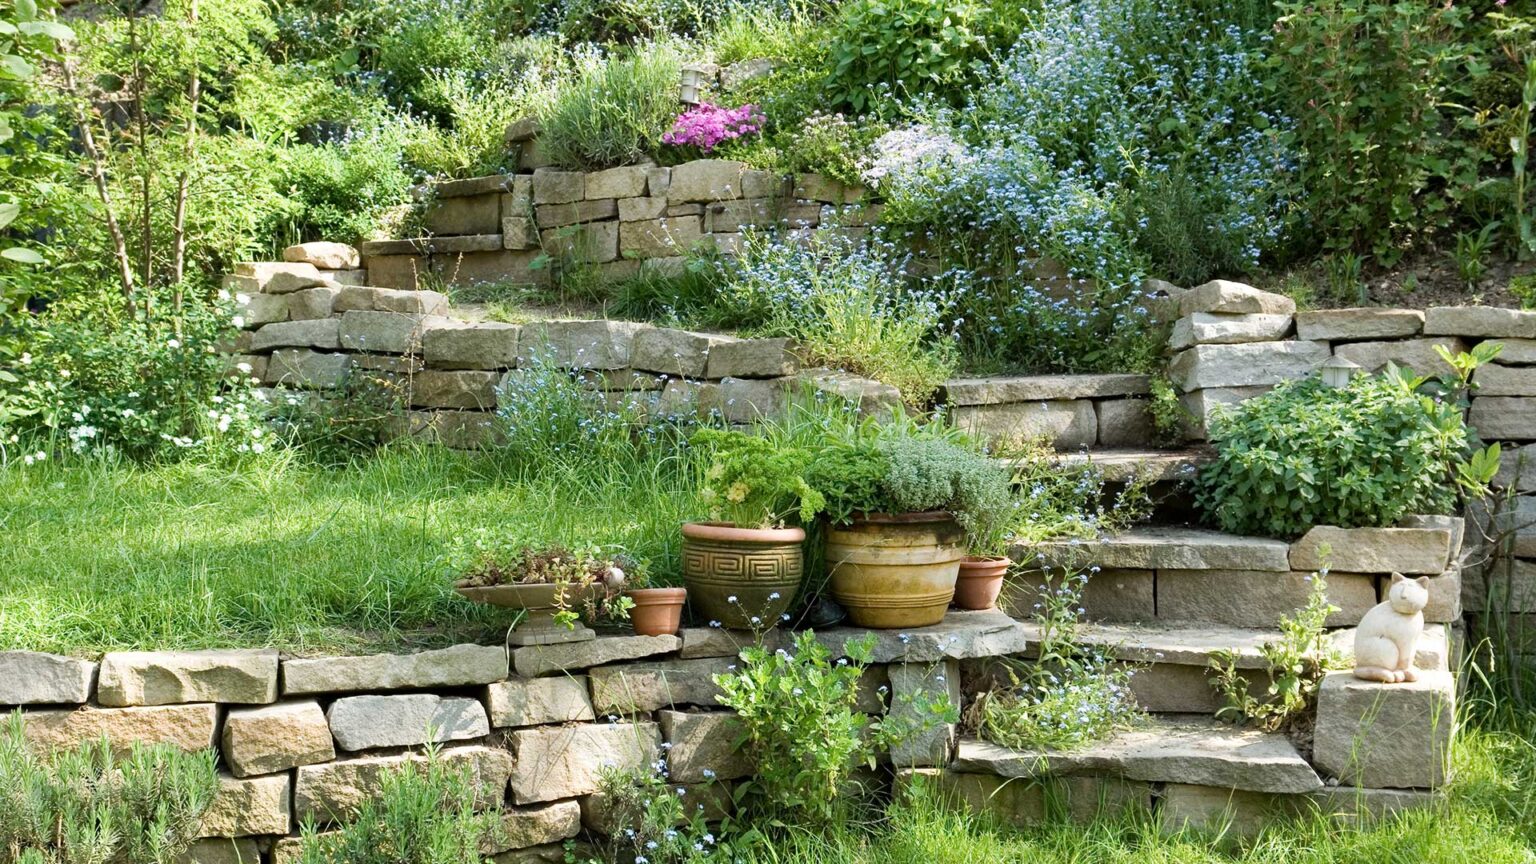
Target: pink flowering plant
705,127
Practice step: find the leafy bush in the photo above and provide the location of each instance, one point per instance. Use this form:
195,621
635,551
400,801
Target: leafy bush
1306,454
339,191
422,814
905,49
752,480
1058,500
851,306
615,110
97,803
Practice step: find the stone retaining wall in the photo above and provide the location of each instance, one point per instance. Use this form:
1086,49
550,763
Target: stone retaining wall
308,738
618,223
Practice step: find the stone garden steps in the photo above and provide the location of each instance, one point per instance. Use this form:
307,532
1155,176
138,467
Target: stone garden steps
1122,464
1159,546
1195,751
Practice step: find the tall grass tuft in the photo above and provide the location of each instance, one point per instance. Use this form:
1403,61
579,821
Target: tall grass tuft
615,110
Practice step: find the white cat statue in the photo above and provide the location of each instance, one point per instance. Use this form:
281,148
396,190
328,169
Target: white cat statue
1388,635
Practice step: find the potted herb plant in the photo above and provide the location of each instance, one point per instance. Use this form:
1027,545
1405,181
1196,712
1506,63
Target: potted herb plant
743,567
903,505
554,585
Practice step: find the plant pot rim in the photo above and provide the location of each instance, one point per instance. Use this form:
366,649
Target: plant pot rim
984,560
662,594
921,517
730,532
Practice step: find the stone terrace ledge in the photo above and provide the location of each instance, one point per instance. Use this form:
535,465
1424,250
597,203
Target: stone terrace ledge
1032,388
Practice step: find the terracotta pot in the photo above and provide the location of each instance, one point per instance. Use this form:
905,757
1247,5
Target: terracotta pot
981,580
737,574
540,602
892,571
658,611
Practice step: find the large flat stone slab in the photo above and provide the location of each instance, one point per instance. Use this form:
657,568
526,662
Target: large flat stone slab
1412,551
645,687
999,390
189,727
275,738
537,701
404,720
534,661
31,678
1233,298
1209,328
1504,418
241,677
1420,355
458,666
1201,754
1386,736
1495,379
960,636
332,791
1252,364
1160,547
567,761
527,827
1480,321
1353,325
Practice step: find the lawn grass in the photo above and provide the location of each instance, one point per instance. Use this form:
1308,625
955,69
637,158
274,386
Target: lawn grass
104,556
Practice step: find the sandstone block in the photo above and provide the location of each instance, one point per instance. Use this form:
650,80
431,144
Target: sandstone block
324,334
707,180
473,185
745,400
244,677
465,345
355,276
1203,405
1043,388
1156,547
558,187
578,344
1495,379
503,266
324,255
275,738
673,352
1485,590
752,358
1416,354
373,722
395,272
1445,592
567,761
560,215
1233,298
642,209
814,187
459,666
519,232
1250,598
312,303
1480,322
1064,424
222,850
644,687
1110,595
467,430
960,636
466,390
1518,352
914,687
1209,328
1517,469
522,129
1026,804
525,827
307,370
592,243
1385,736
1211,809
627,181
680,398
658,181
293,274
332,792
1354,325
1249,365
1373,550
729,217
391,300
660,238
1180,688
719,642
1125,423
466,215
248,808
255,310
704,747
710,801
871,397
1504,417
539,701
189,727
30,678
386,332
535,660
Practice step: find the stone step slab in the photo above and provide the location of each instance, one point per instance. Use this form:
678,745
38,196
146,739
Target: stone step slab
1480,322
275,738
386,332
1211,328
377,721
1161,547
1119,465
568,761
962,635
332,791
350,297
188,727
1357,325
240,677
1252,364
1256,598
578,344
458,666
324,255
32,678
674,352
539,701
1233,298
1410,551
1385,736
1000,390
249,807
1065,424
534,661
1195,753
470,345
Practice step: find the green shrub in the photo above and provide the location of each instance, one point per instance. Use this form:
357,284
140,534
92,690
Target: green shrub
1307,454
423,814
905,49
98,804
615,110
752,480
340,191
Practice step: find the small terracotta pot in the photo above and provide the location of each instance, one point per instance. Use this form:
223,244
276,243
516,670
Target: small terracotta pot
980,581
658,611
